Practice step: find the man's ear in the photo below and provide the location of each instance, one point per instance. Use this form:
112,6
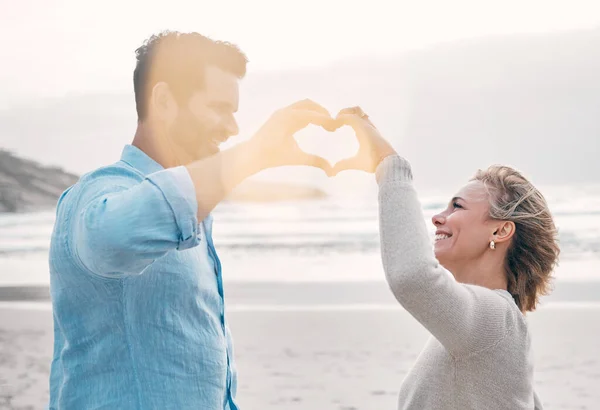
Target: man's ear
504,231
162,103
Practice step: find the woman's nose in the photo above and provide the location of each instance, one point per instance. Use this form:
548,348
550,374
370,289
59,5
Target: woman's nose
438,219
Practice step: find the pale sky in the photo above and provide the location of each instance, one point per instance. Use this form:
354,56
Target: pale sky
52,48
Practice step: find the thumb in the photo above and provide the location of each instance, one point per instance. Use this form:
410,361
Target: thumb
346,164
314,161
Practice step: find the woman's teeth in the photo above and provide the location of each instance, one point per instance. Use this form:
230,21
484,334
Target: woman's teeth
440,237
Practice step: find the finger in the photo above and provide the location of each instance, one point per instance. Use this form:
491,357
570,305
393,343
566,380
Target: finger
354,121
348,119
356,110
313,161
345,165
304,117
308,104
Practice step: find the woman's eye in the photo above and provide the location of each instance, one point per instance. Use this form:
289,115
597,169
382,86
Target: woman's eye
456,205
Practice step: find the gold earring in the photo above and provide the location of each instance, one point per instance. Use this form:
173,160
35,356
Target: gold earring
492,245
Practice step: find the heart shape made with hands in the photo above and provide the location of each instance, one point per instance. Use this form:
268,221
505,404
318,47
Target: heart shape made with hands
316,140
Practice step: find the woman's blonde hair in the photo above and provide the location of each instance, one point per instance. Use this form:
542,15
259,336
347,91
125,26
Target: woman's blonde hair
533,252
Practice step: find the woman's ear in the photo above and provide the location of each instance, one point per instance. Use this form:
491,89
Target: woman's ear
504,231
162,103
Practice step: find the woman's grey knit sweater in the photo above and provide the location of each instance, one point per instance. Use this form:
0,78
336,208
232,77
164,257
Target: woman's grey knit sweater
479,355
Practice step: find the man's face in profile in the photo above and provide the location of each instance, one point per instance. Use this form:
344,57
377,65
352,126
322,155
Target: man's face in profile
207,119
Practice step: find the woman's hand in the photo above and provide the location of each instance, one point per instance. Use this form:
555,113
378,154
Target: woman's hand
373,148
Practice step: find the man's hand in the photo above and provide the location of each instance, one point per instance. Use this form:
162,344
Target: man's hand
274,144
373,148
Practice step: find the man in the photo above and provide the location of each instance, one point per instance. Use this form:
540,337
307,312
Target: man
136,283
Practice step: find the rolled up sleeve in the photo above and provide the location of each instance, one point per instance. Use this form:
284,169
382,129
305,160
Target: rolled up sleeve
178,191
120,230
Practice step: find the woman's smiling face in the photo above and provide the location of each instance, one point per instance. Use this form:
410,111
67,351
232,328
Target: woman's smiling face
463,229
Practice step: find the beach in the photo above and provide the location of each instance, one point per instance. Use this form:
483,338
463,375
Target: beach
314,324
323,346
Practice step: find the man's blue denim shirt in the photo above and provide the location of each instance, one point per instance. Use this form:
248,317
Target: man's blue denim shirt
137,294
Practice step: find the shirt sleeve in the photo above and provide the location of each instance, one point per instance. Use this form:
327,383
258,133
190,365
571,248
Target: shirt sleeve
466,319
121,228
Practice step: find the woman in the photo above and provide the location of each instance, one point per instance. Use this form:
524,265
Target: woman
495,248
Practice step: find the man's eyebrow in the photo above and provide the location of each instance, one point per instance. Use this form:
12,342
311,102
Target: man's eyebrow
225,105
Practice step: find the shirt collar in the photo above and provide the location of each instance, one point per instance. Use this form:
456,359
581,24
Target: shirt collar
139,160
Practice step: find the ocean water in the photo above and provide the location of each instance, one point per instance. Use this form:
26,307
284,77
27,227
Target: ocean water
335,239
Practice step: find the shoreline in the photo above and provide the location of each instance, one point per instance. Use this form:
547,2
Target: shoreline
358,307
355,293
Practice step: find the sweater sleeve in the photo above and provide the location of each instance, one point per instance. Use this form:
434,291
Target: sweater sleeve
466,319
537,402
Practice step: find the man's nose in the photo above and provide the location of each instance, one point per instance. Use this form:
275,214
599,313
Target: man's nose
232,128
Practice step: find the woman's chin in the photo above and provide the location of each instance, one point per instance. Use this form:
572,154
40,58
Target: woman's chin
440,254
437,248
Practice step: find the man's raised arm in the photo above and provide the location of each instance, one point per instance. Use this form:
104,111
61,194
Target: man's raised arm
120,229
